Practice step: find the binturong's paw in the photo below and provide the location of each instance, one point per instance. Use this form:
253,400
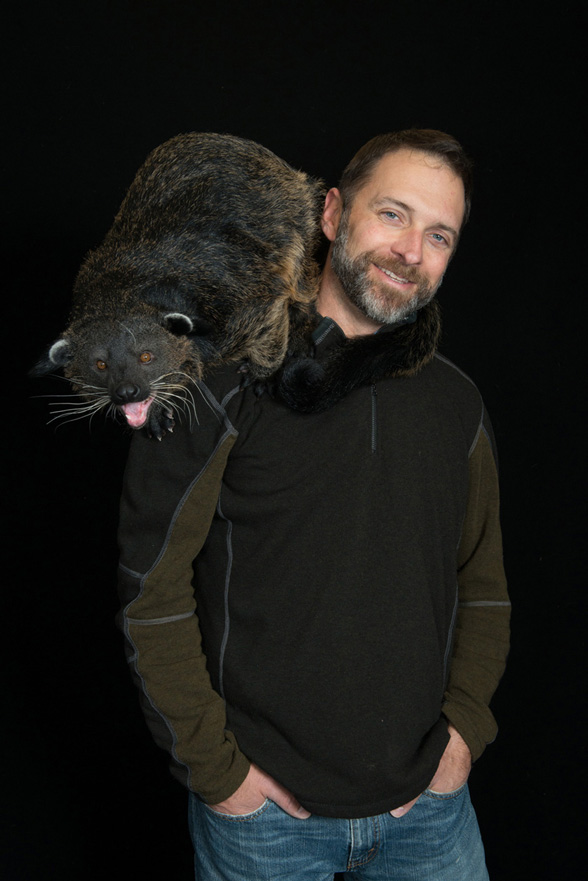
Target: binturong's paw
159,422
259,384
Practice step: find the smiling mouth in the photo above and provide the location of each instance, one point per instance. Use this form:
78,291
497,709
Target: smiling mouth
391,275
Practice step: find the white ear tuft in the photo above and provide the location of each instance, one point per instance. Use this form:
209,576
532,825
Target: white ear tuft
59,352
178,323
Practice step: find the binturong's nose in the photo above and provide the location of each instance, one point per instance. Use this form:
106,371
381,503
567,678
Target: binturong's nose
126,393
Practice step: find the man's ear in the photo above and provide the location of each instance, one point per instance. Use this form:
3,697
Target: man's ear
332,213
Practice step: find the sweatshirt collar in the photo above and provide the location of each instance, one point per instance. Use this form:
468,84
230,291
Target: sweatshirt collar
328,333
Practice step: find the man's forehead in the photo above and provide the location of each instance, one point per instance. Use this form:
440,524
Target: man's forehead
405,175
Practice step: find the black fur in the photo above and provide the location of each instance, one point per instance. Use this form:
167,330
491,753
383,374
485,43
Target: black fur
314,386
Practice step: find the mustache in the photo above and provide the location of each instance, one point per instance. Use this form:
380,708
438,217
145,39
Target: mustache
410,273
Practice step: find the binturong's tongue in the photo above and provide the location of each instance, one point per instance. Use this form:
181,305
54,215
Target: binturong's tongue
137,413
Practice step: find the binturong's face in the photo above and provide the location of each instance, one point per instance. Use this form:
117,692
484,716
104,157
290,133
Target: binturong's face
393,242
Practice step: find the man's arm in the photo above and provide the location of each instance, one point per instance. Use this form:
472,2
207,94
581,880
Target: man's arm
482,630
169,498
481,638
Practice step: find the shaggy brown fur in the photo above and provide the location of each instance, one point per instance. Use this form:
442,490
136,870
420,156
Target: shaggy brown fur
209,260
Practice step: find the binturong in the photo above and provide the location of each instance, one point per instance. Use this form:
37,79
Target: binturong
209,261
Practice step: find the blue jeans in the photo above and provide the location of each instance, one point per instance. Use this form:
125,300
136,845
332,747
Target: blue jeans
438,840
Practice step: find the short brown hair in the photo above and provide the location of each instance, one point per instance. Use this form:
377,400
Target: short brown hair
436,143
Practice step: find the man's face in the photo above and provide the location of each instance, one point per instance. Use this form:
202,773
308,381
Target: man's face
393,243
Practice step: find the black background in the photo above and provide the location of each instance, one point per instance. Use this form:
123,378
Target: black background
91,90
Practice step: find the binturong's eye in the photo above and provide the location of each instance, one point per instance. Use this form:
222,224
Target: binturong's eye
101,365
145,357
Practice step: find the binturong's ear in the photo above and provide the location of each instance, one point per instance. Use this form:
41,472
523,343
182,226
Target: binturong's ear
182,325
57,356
178,323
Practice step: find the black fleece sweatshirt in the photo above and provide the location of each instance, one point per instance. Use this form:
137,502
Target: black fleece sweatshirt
317,593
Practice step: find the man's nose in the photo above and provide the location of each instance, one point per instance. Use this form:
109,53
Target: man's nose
408,246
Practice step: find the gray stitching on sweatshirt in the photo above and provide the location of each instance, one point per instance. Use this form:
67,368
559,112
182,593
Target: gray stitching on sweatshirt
225,639
148,621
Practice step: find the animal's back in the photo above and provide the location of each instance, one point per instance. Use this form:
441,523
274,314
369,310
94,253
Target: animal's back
195,181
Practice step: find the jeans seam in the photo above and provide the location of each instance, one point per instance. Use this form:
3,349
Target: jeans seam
372,852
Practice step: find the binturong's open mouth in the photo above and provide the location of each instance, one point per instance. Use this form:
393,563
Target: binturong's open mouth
136,413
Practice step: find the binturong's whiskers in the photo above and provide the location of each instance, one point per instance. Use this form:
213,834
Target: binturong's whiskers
177,396
169,391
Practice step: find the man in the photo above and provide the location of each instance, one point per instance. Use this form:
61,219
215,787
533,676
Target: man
325,706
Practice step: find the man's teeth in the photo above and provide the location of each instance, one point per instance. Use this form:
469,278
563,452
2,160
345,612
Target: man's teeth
391,275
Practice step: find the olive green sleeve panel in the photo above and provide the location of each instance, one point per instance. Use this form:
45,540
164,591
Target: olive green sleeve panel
479,655
479,557
481,636
184,713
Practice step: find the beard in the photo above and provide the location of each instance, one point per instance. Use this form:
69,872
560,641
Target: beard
377,300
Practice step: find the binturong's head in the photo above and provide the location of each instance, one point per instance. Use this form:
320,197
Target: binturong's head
139,367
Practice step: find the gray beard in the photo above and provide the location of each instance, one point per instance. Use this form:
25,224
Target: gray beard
376,301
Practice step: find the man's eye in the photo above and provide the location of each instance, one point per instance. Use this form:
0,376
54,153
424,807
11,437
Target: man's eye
391,214
439,238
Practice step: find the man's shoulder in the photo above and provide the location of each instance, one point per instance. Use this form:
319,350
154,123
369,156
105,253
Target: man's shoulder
225,391
223,380
450,385
226,395
448,374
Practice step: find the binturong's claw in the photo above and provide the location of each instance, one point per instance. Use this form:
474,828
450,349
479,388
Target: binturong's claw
159,422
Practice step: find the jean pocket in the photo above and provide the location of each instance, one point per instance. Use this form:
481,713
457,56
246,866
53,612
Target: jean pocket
239,818
445,796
